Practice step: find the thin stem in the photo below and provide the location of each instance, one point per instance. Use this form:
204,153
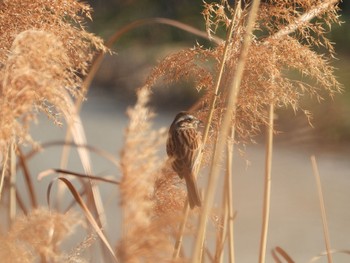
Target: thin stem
218,83
267,187
20,203
303,19
12,182
323,209
224,132
28,178
178,243
220,243
4,168
229,196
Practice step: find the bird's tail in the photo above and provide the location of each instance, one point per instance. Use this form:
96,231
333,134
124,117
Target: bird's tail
193,194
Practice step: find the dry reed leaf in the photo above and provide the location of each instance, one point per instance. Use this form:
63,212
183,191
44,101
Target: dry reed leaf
48,172
279,251
92,149
87,213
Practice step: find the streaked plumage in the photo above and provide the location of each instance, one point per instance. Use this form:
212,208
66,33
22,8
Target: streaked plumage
183,146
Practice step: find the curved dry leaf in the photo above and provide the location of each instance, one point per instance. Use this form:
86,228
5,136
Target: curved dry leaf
100,152
282,253
80,175
86,211
333,251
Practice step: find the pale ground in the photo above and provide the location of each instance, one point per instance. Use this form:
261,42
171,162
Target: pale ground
295,223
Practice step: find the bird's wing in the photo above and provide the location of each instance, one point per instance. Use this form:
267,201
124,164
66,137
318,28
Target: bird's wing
188,148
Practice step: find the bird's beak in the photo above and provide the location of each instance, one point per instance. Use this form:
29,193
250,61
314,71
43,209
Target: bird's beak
200,123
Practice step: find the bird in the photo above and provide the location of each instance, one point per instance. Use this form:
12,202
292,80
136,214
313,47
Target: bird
183,146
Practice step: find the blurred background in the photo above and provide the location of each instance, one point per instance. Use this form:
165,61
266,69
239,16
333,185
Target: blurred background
295,216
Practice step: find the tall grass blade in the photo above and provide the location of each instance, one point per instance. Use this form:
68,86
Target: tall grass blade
77,130
279,251
13,201
229,196
267,187
182,227
3,171
28,179
20,203
323,209
222,232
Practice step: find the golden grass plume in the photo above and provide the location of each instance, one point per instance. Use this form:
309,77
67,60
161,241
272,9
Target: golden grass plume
144,237
37,235
44,53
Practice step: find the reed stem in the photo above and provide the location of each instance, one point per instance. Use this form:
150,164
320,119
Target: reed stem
178,243
13,199
267,186
3,172
323,209
229,196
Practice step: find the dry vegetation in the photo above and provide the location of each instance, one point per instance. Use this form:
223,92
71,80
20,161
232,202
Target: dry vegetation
45,54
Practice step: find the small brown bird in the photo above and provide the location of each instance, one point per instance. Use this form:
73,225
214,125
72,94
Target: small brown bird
183,146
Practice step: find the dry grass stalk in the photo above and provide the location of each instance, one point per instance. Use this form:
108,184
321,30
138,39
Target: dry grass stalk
279,251
267,186
222,231
181,232
3,171
28,179
13,180
323,209
229,196
267,180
